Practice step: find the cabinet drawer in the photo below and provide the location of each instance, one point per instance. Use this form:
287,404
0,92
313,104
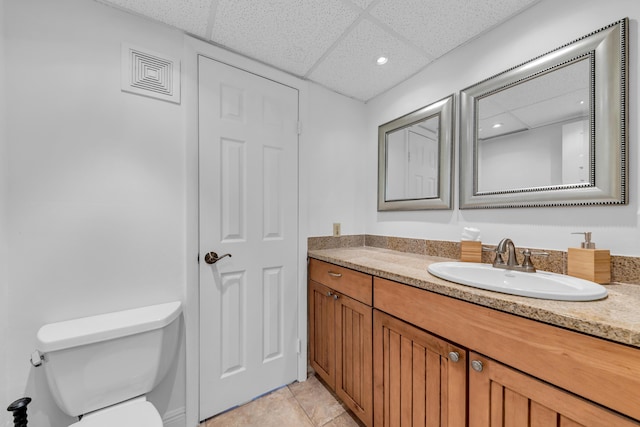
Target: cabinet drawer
352,283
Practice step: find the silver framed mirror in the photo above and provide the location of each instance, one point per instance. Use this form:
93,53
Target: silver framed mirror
415,157
551,131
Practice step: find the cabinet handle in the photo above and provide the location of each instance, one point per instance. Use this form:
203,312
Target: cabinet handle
336,296
332,274
454,356
329,293
477,365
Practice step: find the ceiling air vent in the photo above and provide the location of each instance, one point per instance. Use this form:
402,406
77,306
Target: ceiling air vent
150,74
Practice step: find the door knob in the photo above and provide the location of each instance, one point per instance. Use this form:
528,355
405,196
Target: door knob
212,257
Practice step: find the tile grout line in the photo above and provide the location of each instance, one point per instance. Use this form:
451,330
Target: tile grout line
344,410
302,407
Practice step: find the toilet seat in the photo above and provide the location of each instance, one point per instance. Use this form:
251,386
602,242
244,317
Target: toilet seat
132,413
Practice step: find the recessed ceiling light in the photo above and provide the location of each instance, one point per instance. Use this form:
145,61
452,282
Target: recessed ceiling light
497,125
581,102
381,60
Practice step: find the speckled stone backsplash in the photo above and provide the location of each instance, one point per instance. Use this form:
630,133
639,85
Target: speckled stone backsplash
330,242
624,269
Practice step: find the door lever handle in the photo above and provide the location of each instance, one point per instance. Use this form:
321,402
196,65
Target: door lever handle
212,257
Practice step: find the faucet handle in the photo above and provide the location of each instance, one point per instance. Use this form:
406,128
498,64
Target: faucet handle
498,260
529,252
527,265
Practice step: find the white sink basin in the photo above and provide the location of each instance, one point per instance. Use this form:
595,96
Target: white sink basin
541,284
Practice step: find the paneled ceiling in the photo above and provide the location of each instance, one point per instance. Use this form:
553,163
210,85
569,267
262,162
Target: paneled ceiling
335,43
551,98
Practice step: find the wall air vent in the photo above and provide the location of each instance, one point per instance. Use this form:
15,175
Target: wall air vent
150,74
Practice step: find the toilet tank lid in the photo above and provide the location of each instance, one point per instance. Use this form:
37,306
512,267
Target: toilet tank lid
92,329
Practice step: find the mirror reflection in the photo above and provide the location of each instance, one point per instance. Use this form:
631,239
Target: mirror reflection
412,161
551,131
537,132
415,156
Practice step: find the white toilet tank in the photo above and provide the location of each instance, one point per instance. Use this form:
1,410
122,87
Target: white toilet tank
98,361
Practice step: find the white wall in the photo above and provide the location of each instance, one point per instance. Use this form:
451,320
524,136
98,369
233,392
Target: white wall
545,26
537,161
334,155
99,186
96,200
5,417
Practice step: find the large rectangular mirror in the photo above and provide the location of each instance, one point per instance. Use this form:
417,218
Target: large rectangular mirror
415,159
551,131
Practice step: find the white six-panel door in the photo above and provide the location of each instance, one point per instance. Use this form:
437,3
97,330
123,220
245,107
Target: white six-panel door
423,165
248,142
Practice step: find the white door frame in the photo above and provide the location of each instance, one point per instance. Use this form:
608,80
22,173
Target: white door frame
192,48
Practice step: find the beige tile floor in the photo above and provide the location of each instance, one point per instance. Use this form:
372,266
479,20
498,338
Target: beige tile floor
306,404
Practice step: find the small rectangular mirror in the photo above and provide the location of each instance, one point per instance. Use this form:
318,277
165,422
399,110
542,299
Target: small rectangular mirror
414,159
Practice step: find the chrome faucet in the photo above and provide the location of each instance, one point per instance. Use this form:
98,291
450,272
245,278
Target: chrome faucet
507,247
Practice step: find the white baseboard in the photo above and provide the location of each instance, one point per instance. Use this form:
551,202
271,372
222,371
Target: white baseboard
175,418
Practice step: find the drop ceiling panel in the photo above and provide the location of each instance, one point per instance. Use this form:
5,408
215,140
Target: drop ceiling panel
508,124
188,15
350,67
333,42
487,108
363,4
438,26
564,80
554,110
290,34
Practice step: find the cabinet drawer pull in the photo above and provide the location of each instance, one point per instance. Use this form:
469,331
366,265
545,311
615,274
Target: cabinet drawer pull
332,274
477,365
454,356
336,296
329,293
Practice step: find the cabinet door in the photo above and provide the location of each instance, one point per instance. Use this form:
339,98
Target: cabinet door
354,358
502,396
418,380
322,353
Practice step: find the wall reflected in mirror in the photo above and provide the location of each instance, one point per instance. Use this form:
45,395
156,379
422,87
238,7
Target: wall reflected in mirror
415,156
537,132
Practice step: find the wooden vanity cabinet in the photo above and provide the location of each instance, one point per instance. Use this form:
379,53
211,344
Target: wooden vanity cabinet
520,372
340,334
502,396
419,379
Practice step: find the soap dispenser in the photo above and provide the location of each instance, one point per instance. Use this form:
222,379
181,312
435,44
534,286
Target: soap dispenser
587,262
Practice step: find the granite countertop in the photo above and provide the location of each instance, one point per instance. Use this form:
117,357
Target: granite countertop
616,317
